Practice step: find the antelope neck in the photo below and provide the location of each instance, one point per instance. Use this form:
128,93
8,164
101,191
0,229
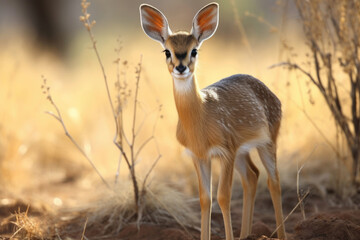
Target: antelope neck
188,101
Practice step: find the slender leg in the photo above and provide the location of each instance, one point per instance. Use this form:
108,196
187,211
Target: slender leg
224,195
268,157
203,170
249,177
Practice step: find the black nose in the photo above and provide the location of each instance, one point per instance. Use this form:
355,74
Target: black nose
181,68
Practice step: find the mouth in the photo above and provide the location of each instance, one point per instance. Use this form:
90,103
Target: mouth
181,75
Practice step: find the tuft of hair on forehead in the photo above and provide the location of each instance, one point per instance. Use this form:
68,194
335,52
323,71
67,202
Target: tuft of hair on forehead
181,41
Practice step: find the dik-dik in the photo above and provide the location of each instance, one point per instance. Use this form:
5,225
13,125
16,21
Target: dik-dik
224,120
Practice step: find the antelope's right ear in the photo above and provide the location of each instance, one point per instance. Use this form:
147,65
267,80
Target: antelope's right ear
154,23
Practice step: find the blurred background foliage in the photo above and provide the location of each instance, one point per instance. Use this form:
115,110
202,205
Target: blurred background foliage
54,24
42,37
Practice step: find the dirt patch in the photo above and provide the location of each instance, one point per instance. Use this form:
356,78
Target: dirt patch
323,221
331,226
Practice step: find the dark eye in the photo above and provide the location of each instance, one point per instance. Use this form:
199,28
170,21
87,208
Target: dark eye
194,52
167,53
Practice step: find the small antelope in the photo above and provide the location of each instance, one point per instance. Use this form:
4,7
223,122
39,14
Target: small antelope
224,120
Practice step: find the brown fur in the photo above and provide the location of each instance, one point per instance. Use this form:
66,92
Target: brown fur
223,120
205,122
180,43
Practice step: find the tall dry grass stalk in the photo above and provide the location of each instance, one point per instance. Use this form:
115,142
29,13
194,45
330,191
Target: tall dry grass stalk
134,150
121,203
121,140
58,117
332,31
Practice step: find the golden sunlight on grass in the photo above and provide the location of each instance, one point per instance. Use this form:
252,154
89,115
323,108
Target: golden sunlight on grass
40,167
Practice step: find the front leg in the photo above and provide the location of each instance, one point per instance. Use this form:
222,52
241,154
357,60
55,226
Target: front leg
224,195
203,170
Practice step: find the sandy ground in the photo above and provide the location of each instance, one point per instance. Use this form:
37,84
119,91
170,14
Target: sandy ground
326,218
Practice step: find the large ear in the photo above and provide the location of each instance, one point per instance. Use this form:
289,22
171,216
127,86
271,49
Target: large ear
154,23
205,22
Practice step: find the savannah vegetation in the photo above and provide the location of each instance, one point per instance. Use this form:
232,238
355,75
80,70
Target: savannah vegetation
95,156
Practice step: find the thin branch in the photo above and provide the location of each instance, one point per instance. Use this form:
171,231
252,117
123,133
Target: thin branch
295,66
317,128
59,118
17,231
151,169
147,114
118,169
319,131
334,25
78,146
292,211
124,135
88,25
93,41
142,146
298,181
298,189
317,67
141,124
138,72
124,155
83,233
57,233
118,138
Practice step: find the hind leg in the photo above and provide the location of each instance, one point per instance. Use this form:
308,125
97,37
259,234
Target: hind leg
249,177
267,154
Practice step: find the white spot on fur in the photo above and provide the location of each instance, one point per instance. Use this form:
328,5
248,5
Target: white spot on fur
217,151
189,152
261,140
213,94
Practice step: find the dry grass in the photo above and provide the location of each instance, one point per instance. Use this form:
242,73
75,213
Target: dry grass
33,150
27,227
114,209
332,31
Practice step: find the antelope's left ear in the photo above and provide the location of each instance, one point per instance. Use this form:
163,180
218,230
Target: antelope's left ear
205,22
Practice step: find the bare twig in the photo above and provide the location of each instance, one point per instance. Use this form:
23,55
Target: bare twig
119,133
143,145
117,174
150,170
332,31
88,25
57,233
17,231
83,233
298,182
58,117
138,74
292,211
127,146
295,66
298,188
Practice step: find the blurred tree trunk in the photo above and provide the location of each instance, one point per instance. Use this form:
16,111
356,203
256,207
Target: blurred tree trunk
332,31
44,18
